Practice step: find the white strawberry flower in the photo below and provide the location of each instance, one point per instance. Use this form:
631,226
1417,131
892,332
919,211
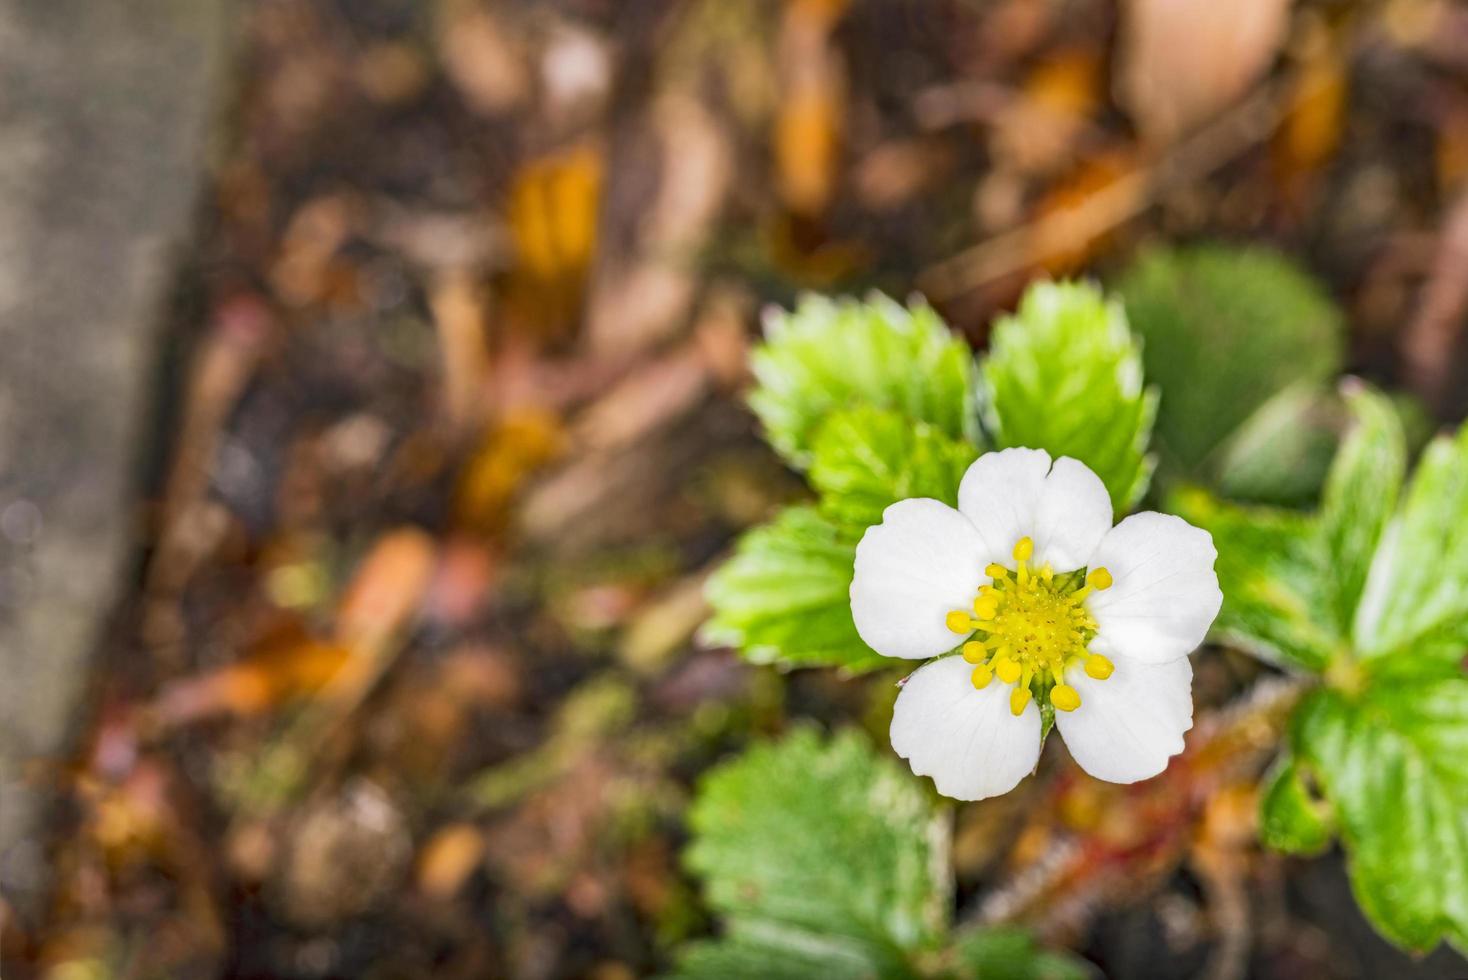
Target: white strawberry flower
1054,607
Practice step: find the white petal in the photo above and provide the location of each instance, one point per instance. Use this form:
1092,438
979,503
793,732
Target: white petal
1072,516
1130,724
1164,593
999,493
1016,493
968,740
923,561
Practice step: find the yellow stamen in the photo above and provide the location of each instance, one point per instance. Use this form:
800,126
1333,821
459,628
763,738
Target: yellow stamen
1065,697
1032,625
1099,667
1007,669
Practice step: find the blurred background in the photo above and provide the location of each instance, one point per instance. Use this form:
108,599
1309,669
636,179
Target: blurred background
370,419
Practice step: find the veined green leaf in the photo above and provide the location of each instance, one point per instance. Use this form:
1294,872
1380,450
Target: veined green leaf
1393,762
771,951
1417,592
868,458
1269,570
825,838
784,597
828,355
1064,374
1012,954
1360,498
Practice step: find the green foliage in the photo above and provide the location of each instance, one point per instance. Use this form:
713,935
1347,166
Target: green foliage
784,597
1011,954
1360,496
853,848
1223,330
828,840
1281,453
830,355
1375,597
1291,818
877,401
1292,583
1270,572
825,860
1417,599
868,458
1064,374
773,952
1393,761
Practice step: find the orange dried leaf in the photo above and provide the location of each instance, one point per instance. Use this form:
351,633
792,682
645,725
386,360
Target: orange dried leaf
386,590
553,210
1069,82
1312,128
279,669
807,146
522,443
449,858
811,118
1068,233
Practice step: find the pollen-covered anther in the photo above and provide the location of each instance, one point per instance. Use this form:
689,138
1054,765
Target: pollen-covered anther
986,606
1007,669
981,676
960,622
1099,667
1065,697
1018,699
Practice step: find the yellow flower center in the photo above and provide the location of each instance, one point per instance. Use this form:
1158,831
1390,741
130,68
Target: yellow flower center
1028,626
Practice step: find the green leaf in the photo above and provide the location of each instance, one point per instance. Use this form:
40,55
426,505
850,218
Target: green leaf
1394,764
1011,954
1223,330
1417,595
1064,374
1269,570
868,458
1376,597
773,952
1282,453
825,838
1291,818
1360,497
784,597
830,355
